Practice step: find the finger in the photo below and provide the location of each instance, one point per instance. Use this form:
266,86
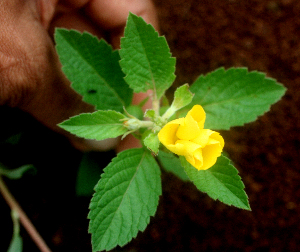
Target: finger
112,15
72,19
73,4
46,8
31,77
140,97
115,22
75,20
128,142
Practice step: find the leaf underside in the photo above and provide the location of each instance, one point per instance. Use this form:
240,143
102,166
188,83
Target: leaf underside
126,196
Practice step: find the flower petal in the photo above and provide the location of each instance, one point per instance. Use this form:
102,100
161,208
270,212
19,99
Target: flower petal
203,137
196,159
187,137
210,154
189,129
198,113
212,151
186,147
216,136
193,123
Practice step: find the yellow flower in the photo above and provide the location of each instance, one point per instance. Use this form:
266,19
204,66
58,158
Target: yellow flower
187,137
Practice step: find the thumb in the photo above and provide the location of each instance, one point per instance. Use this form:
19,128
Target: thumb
31,77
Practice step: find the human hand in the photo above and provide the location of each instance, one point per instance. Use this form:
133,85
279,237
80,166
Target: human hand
30,73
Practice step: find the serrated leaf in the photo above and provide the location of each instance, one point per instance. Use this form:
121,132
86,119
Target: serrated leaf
98,125
93,68
171,163
126,196
234,97
145,58
152,142
221,182
150,113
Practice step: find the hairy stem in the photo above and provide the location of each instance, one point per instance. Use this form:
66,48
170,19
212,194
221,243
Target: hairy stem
170,111
13,204
155,106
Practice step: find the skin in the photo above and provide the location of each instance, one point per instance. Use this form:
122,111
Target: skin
30,73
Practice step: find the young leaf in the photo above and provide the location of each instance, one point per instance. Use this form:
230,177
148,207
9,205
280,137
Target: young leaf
126,196
145,58
182,97
234,97
152,143
171,163
98,125
220,182
150,113
16,173
93,68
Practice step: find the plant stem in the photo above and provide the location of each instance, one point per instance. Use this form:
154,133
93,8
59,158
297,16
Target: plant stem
155,106
146,124
14,205
170,111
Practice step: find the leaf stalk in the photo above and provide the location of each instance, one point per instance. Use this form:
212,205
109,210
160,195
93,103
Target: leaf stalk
27,224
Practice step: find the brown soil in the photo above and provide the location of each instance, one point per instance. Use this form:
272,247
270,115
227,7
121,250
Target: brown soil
203,35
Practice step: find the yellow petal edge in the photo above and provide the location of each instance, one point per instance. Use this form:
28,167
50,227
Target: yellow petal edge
187,137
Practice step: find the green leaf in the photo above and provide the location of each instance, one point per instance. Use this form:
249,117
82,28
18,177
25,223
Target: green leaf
14,139
16,173
145,58
150,113
182,97
16,244
93,68
126,196
234,97
171,163
220,182
135,111
98,125
164,101
152,142
88,174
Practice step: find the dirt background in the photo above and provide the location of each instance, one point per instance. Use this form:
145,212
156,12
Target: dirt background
203,35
